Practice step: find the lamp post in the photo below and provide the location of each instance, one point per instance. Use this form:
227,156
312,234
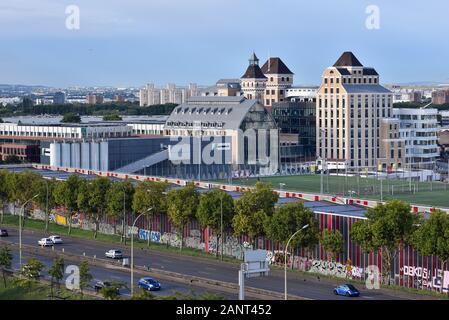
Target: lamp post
20,229
132,249
285,259
221,227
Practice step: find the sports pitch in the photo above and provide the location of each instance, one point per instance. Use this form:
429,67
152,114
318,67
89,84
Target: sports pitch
424,193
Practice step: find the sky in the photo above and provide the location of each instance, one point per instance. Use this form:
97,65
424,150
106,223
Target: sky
134,42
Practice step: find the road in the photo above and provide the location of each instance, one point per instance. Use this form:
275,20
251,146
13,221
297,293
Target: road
299,284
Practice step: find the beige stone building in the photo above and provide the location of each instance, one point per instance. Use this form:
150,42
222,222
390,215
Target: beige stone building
253,81
351,105
392,147
279,79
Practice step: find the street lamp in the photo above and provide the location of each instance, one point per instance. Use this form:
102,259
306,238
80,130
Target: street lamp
20,229
285,259
132,250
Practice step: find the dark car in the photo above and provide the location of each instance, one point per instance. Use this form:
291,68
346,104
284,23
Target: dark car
3,233
347,290
104,284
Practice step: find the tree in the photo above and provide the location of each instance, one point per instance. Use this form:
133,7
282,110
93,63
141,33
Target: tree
46,201
85,276
112,117
92,200
56,272
387,227
332,242
182,206
120,199
432,238
253,209
143,295
13,159
211,206
150,194
71,118
288,219
30,272
4,192
112,291
5,261
26,189
66,194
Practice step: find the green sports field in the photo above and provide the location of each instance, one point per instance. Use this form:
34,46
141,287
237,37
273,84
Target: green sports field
424,193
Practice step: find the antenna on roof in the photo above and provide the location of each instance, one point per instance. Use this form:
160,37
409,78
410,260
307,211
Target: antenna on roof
269,60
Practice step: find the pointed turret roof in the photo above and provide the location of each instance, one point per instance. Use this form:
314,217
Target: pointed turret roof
275,66
253,71
348,59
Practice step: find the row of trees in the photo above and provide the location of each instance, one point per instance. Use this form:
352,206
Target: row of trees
126,108
388,227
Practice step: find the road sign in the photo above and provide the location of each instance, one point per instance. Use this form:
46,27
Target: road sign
256,263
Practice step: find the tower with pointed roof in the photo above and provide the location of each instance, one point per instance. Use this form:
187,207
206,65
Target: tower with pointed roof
353,112
279,78
253,81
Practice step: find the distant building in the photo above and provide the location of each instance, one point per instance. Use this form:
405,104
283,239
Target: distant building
419,129
301,93
392,146
440,96
235,120
444,116
350,107
228,87
119,98
297,126
279,79
151,95
253,81
59,97
94,99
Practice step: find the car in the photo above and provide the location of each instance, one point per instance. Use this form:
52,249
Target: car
103,284
56,239
3,233
347,290
45,242
114,254
149,284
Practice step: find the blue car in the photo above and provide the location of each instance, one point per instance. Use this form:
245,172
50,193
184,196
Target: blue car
347,290
149,284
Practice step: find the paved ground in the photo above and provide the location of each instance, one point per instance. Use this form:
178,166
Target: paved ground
298,283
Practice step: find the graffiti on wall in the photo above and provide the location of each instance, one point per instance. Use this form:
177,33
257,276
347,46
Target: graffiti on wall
172,239
423,279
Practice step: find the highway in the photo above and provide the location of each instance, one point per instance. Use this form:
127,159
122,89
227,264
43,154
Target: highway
299,284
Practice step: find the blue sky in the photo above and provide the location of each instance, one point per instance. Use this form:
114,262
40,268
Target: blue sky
132,42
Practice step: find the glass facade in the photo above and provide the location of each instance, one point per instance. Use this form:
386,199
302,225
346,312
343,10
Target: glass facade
297,118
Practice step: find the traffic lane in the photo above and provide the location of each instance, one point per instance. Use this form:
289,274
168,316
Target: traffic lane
108,274
224,272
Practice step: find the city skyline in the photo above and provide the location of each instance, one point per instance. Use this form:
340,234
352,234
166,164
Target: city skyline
165,42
